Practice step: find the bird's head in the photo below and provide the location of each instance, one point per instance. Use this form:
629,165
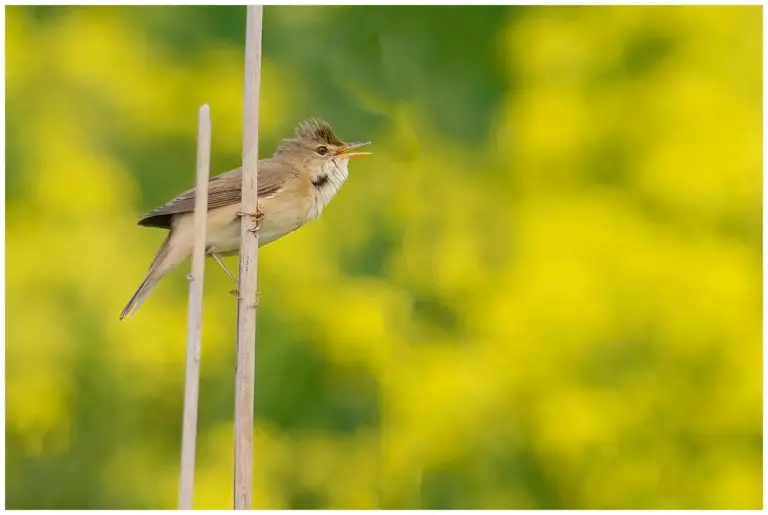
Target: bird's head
317,148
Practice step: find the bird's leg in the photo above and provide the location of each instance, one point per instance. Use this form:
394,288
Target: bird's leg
235,292
258,216
221,263
229,274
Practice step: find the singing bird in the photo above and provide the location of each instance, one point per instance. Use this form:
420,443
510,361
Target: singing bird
294,186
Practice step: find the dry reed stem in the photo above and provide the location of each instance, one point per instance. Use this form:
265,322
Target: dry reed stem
249,258
195,320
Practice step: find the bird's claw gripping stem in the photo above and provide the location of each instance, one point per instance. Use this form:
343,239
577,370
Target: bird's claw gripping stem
258,216
236,293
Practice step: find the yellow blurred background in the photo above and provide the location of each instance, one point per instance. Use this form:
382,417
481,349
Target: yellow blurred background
543,291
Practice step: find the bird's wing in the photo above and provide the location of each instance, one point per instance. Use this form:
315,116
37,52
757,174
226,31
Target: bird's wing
223,190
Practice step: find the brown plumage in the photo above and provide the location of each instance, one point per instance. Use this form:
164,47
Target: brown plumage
294,185
223,190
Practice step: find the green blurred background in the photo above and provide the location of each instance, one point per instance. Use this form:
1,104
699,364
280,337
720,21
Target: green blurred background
543,291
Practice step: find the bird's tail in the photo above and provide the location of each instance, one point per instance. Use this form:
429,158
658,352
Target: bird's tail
165,260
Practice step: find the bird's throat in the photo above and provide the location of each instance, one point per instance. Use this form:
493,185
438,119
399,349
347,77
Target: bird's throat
326,184
320,180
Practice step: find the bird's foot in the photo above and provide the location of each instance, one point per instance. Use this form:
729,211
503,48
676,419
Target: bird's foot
236,293
258,216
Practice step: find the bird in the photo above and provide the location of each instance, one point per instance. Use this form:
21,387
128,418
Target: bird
294,186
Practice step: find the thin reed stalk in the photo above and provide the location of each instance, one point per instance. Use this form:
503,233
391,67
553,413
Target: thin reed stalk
249,258
195,319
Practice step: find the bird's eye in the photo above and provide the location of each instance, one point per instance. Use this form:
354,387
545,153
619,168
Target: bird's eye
322,150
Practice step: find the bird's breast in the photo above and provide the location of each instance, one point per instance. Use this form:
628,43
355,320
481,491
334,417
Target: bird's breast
224,225
288,210
281,216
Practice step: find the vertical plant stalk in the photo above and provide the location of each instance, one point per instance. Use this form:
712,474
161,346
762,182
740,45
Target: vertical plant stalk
195,318
249,259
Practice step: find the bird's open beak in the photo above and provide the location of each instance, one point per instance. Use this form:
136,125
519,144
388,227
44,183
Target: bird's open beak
345,150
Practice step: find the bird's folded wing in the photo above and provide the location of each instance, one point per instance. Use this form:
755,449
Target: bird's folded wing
223,190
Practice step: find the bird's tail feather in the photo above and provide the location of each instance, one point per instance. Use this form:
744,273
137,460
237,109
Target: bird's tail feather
161,265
